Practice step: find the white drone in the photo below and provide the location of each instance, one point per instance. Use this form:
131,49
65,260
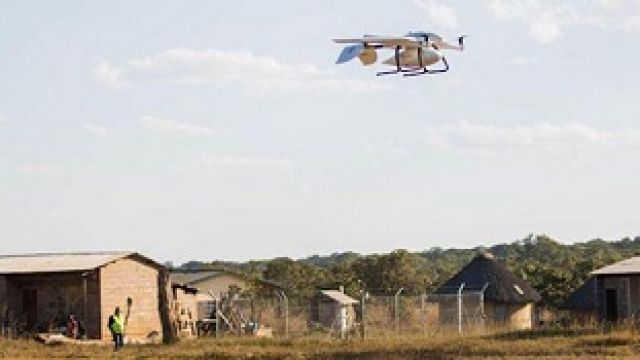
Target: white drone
413,52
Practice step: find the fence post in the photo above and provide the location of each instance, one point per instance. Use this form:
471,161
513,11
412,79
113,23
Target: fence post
286,316
363,314
285,300
460,308
216,303
484,318
397,309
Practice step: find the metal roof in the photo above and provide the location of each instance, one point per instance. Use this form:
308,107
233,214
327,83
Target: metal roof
192,277
61,262
339,297
628,266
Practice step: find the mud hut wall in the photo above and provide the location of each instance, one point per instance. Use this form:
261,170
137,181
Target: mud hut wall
126,279
513,316
520,316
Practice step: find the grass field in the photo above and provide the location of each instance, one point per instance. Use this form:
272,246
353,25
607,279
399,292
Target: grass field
552,344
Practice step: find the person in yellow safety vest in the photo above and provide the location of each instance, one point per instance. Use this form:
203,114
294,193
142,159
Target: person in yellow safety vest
116,325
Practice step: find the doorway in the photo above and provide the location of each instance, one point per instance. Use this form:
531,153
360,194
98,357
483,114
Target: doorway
30,307
611,305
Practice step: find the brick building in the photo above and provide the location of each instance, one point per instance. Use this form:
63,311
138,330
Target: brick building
39,291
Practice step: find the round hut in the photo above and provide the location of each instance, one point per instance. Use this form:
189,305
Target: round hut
502,298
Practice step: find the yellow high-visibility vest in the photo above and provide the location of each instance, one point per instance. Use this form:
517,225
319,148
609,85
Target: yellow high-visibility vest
118,324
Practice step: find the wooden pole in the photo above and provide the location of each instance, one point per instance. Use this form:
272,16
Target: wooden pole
84,304
363,315
397,310
460,308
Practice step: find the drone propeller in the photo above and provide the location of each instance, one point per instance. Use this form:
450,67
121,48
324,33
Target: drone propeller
461,41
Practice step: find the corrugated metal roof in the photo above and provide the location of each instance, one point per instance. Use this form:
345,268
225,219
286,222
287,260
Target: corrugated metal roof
61,262
339,297
193,277
628,266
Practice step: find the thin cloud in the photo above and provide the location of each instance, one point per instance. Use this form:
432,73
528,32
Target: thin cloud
439,14
170,127
483,138
548,20
108,75
224,68
632,25
253,167
95,130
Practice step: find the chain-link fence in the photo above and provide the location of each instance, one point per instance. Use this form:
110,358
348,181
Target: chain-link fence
423,314
370,316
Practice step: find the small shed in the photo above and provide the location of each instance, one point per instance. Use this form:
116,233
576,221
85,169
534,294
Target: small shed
39,291
580,307
499,297
617,289
334,309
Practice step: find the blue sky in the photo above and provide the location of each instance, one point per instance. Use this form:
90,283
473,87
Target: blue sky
223,129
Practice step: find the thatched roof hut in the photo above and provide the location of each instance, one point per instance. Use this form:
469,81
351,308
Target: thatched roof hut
502,286
506,299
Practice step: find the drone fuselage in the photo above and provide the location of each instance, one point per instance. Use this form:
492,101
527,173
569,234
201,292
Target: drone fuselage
410,58
413,54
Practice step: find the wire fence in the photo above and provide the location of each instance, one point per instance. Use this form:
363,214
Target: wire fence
363,315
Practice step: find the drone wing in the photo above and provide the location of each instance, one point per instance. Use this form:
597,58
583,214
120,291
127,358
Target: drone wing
383,41
365,47
350,52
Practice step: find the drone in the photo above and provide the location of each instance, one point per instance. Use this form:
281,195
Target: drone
413,53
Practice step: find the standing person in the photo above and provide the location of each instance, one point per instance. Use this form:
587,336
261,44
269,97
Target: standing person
72,327
116,325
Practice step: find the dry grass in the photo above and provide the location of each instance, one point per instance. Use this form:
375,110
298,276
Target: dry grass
551,344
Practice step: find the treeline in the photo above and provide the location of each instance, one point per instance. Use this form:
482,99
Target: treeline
554,269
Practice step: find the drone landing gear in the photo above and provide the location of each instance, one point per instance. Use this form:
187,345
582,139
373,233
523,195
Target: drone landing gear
426,71
399,68
413,72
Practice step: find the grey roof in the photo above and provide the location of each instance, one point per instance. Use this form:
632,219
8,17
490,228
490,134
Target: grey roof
502,285
583,299
628,266
339,297
59,262
192,277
